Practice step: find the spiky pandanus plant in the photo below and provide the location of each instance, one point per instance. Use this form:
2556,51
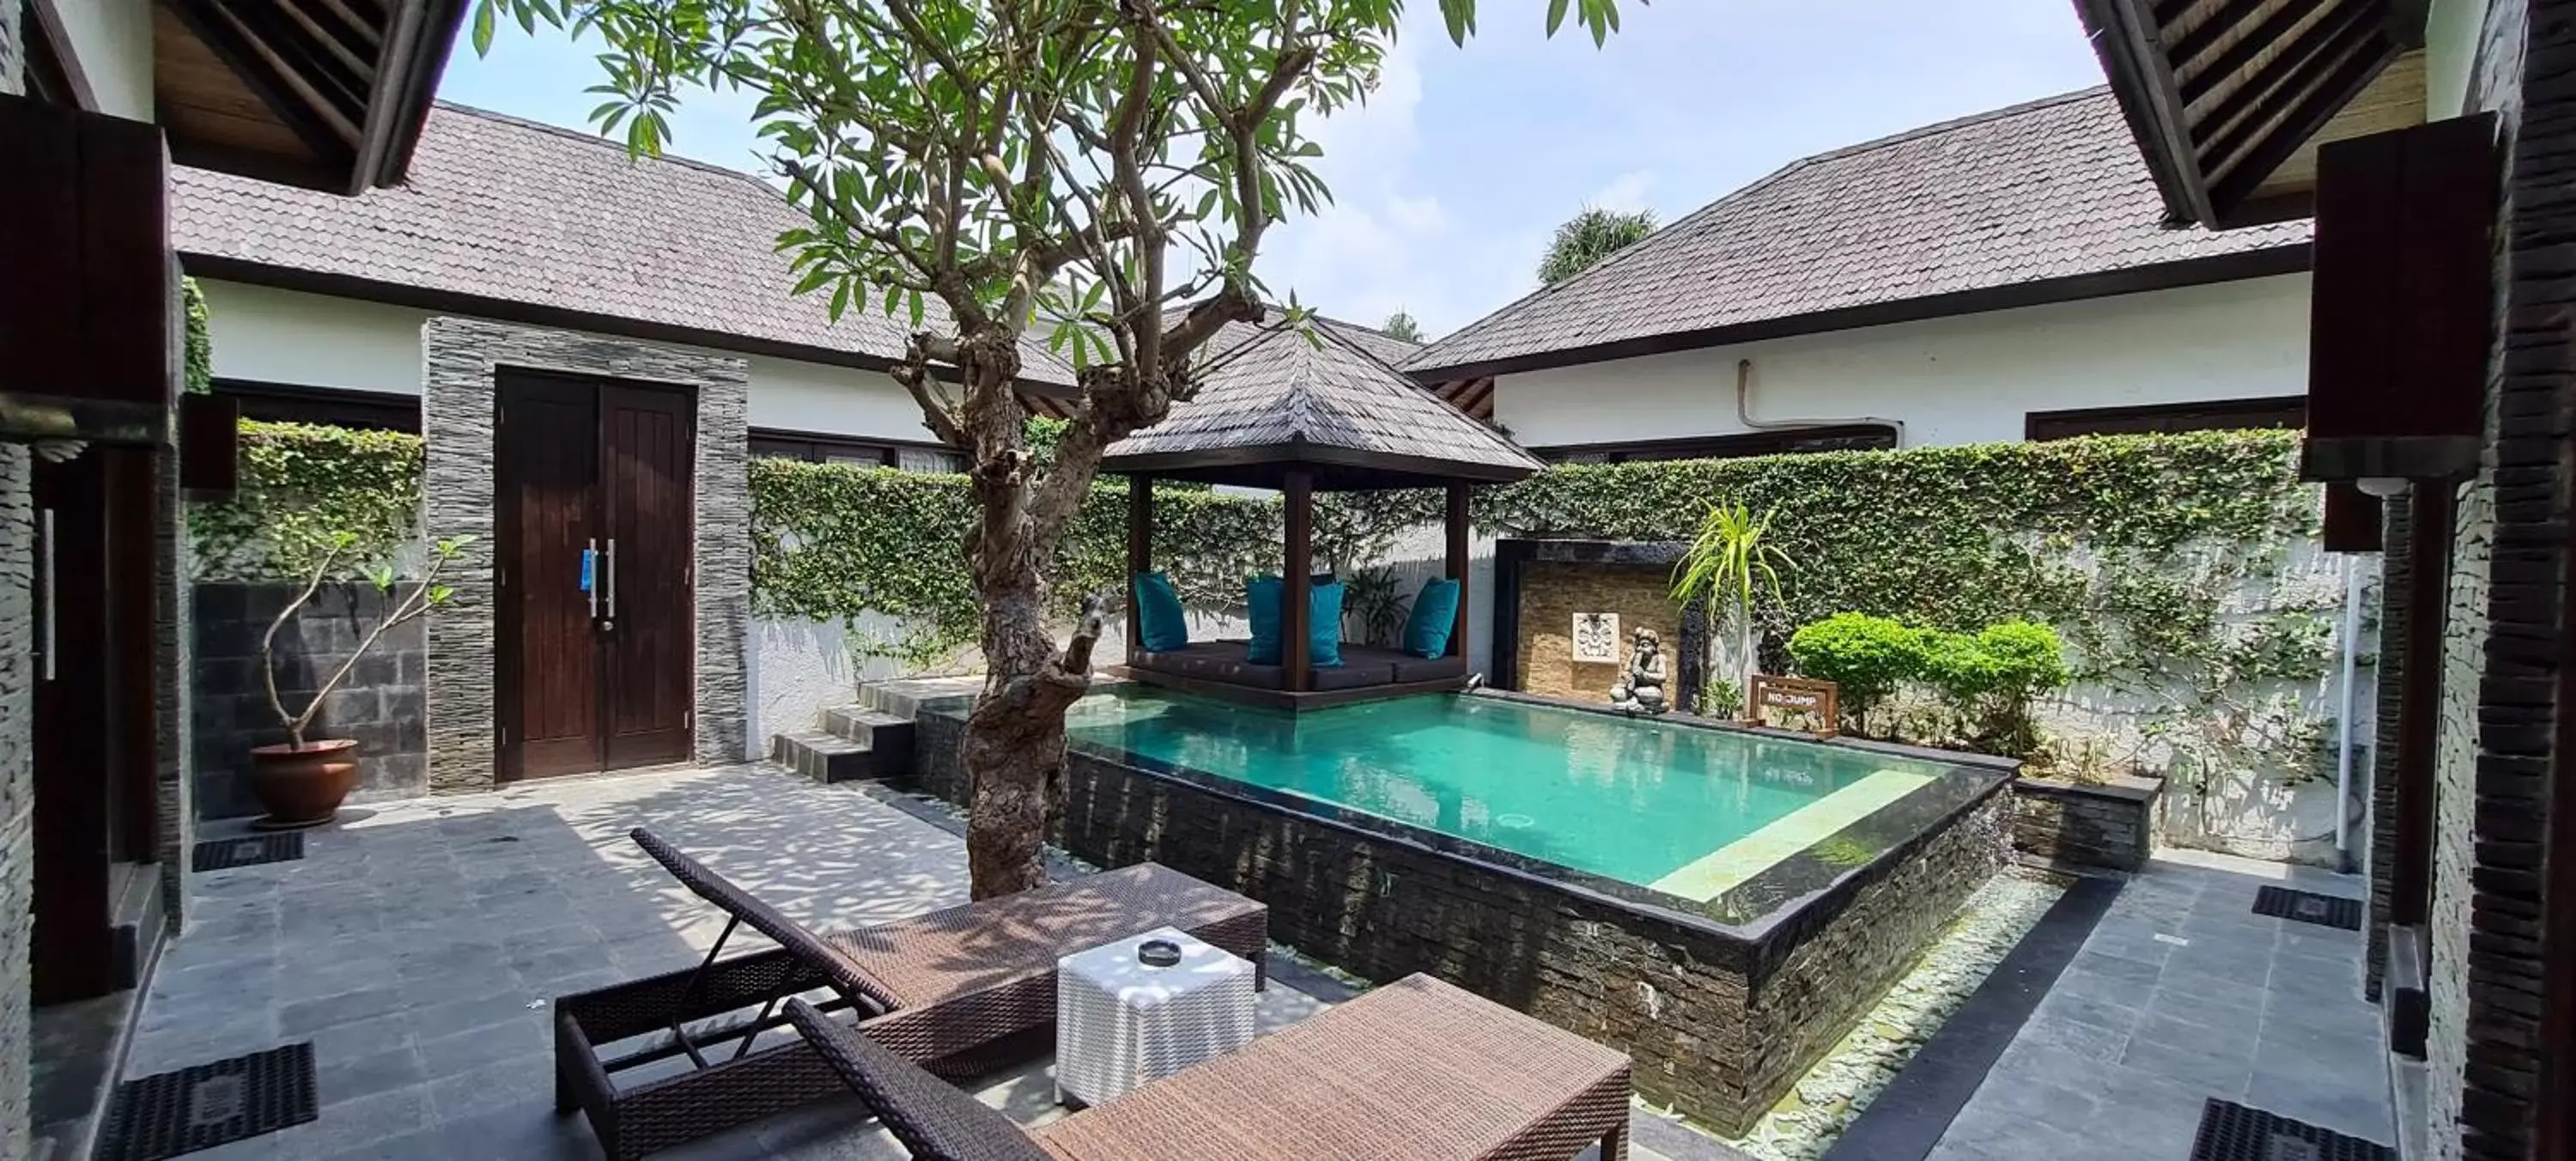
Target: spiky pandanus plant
1731,563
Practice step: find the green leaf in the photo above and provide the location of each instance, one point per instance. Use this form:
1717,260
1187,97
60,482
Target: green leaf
483,27
1556,15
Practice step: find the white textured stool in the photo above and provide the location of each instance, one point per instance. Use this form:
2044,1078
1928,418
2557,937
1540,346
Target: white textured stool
1122,1023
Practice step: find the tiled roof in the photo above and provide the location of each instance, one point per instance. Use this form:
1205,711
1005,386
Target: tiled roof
529,214
1272,387
2046,190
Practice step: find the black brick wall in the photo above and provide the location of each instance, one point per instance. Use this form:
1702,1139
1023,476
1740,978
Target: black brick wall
1717,1029
2064,824
380,705
2397,530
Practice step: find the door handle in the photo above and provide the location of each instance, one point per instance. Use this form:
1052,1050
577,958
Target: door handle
590,584
612,578
45,533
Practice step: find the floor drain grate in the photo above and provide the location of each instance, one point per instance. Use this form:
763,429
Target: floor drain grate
2232,1132
247,851
2309,907
206,1105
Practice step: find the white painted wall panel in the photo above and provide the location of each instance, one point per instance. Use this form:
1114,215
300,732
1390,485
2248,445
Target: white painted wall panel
312,340
1966,379
112,45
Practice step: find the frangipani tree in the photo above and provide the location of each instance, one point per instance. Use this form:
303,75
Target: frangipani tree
1104,170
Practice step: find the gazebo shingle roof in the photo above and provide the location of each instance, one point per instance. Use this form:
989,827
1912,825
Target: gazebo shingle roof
1278,397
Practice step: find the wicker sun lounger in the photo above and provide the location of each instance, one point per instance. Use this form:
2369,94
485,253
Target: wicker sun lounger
961,992
1414,1071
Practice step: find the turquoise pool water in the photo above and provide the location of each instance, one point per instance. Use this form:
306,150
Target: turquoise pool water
1682,809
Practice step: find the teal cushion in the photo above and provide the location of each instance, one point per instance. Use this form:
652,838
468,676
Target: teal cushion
1325,636
1261,597
1158,614
1435,613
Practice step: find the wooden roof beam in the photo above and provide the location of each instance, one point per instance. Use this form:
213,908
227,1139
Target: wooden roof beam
2275,28
2287,76
2132,56
2349,77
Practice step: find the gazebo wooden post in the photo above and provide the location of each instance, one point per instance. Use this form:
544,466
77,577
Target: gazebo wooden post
1459,547
1140,549
1296,604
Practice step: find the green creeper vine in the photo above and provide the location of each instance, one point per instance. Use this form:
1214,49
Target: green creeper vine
301,485
198,347
2133,547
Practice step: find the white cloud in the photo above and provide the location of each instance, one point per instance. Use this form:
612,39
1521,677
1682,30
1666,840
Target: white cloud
1625,193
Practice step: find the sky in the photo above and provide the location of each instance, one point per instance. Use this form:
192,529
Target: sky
1449,180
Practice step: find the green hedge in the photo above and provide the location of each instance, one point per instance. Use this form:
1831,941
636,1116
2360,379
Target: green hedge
299,484
831,541
2160,559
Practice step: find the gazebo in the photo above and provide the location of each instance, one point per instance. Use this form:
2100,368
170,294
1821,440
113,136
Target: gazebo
1276,409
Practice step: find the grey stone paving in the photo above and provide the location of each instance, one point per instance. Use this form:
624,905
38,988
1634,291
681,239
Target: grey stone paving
2182,993
416,947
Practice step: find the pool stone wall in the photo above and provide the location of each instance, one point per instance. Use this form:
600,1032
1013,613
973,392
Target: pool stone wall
2081,826
1719,1027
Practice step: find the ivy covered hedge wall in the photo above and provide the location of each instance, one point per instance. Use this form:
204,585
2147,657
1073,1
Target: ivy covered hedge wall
2182,572
299,483
833,541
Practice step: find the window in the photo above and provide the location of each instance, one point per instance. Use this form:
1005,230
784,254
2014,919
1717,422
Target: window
2289,411
1849,437
817,448
289,403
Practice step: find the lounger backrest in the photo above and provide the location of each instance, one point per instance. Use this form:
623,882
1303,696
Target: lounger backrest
935,1120
763,918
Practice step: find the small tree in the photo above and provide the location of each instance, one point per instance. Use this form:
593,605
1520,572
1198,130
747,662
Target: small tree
1091,167
1401,326
1589,237
1731,564
424,596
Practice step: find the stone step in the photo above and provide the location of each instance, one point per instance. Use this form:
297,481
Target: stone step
888,736
822,756
902,697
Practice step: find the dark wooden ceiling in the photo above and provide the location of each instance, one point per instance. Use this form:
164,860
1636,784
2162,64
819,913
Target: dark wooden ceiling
2230,98
324,94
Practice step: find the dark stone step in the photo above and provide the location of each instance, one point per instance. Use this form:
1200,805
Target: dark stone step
888,736
822,756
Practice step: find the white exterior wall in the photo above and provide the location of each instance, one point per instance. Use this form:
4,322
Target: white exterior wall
797,667
112,44
1964,379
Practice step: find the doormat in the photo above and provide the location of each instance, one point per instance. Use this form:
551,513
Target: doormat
246,851
2232,1132
2309,907
205,1105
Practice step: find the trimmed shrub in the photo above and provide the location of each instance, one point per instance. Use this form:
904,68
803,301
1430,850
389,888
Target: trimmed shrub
1867,657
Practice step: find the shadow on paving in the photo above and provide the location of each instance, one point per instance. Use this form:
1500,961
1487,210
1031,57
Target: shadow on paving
420,948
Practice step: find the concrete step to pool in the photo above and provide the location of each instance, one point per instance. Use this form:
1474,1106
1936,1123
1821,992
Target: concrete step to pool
822,756
887,736
903,697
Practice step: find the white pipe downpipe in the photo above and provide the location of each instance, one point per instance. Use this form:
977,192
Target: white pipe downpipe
1744,410
2343,739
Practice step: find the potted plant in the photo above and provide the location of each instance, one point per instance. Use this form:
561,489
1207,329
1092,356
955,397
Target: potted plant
301,782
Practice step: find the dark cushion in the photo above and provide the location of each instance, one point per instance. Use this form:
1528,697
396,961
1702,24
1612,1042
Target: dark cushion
1159,620
1435,613
1431,669
1349,676
934,1119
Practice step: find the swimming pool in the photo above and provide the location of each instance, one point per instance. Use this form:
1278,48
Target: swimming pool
1683,810
1721,904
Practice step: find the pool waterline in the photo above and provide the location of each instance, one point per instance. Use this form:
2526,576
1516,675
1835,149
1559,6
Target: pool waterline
1663,808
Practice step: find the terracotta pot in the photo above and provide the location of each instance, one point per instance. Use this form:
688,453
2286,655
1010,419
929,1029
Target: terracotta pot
302,785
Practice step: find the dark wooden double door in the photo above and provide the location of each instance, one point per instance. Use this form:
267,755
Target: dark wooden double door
596,577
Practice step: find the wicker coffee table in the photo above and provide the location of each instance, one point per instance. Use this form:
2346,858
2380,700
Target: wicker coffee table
1417,1070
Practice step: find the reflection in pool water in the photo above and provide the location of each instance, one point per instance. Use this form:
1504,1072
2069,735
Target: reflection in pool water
1626,798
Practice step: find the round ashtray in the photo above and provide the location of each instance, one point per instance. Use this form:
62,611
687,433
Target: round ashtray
1158,953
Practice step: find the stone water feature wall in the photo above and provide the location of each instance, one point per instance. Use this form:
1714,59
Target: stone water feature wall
1720,1026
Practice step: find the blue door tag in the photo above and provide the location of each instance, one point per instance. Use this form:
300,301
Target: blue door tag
589,557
